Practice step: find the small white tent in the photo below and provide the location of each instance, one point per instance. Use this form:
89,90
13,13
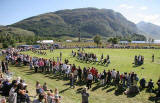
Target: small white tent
46,41
68,40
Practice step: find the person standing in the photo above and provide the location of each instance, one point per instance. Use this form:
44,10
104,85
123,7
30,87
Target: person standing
6,66
31,65
84,74
105,76
85,96
3,67
60,56
72,81
153,58
79,73
89,80
36,66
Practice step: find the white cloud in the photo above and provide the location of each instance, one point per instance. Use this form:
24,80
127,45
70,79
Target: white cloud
126,6
139,13
154,18
143,8
149,17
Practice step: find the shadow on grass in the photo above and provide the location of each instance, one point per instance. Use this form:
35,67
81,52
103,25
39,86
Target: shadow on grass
80,83
111,89
79,90
30,73
64,90
105,87
132,95
98,85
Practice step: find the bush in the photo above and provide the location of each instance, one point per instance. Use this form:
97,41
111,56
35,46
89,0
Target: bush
5,45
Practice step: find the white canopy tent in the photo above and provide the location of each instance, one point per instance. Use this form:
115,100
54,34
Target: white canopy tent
46,41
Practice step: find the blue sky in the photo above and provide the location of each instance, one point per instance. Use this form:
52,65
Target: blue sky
12,11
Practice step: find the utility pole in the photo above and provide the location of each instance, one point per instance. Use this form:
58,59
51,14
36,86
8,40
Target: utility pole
79,32
79,36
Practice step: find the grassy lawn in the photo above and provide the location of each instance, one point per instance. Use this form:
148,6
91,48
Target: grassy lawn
121,59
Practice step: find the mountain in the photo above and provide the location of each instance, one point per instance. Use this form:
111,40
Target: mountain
15,31
150,29
11,35
86,21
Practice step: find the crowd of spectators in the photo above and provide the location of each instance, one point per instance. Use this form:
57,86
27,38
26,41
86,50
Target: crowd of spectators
87,75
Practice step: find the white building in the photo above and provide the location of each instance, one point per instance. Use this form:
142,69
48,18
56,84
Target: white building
157,41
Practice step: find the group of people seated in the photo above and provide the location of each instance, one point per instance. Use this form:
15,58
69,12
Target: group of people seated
91,57
138,60
39,52
17,92
48,95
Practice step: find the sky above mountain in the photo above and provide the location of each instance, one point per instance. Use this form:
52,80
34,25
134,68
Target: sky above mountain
12,11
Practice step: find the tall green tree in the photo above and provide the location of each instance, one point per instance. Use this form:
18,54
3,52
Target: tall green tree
97,39
113,40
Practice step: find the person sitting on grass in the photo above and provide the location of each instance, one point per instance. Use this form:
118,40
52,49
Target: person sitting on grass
142,83
101,60
38,86
96,59
158,84
45,88
157,96
12,94
104,61
6,87
22,94
108,62
150,85
50,97
57,98
41,99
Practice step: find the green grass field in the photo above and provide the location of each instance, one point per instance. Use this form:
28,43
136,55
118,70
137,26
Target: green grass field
121,59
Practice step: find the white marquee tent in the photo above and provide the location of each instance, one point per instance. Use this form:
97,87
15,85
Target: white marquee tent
46,41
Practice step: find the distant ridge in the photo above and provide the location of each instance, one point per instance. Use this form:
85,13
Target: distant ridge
150,29
87,21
